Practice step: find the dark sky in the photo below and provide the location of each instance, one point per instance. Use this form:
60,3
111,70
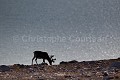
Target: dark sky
69,29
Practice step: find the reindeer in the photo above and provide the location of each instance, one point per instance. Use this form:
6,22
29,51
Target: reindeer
43,55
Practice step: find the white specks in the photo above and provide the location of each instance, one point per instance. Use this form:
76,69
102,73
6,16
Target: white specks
84,21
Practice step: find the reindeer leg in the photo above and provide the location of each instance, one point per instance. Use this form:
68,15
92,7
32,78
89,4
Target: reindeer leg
43,60
36,60
32,60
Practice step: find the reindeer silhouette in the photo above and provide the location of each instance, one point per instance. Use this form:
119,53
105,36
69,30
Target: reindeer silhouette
44,56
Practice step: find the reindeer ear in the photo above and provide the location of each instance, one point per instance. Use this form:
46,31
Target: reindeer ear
51,56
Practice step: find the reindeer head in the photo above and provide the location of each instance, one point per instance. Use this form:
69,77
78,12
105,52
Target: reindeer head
51,57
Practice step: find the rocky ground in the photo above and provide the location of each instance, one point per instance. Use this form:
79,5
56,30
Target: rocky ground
72,70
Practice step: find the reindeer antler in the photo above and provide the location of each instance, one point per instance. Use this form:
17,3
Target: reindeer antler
51,56
53,60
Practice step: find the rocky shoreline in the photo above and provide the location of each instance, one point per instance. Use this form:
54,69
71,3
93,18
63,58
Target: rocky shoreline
71,70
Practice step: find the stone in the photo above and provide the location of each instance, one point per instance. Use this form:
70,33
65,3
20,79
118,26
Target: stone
115,65
4,68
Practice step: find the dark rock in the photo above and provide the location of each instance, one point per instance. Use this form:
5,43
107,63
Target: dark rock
106,78
67,76
43,64
4,68
105,74
73,61
117,77
92,62
63,62
115,65
119,58
19,66
40,79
